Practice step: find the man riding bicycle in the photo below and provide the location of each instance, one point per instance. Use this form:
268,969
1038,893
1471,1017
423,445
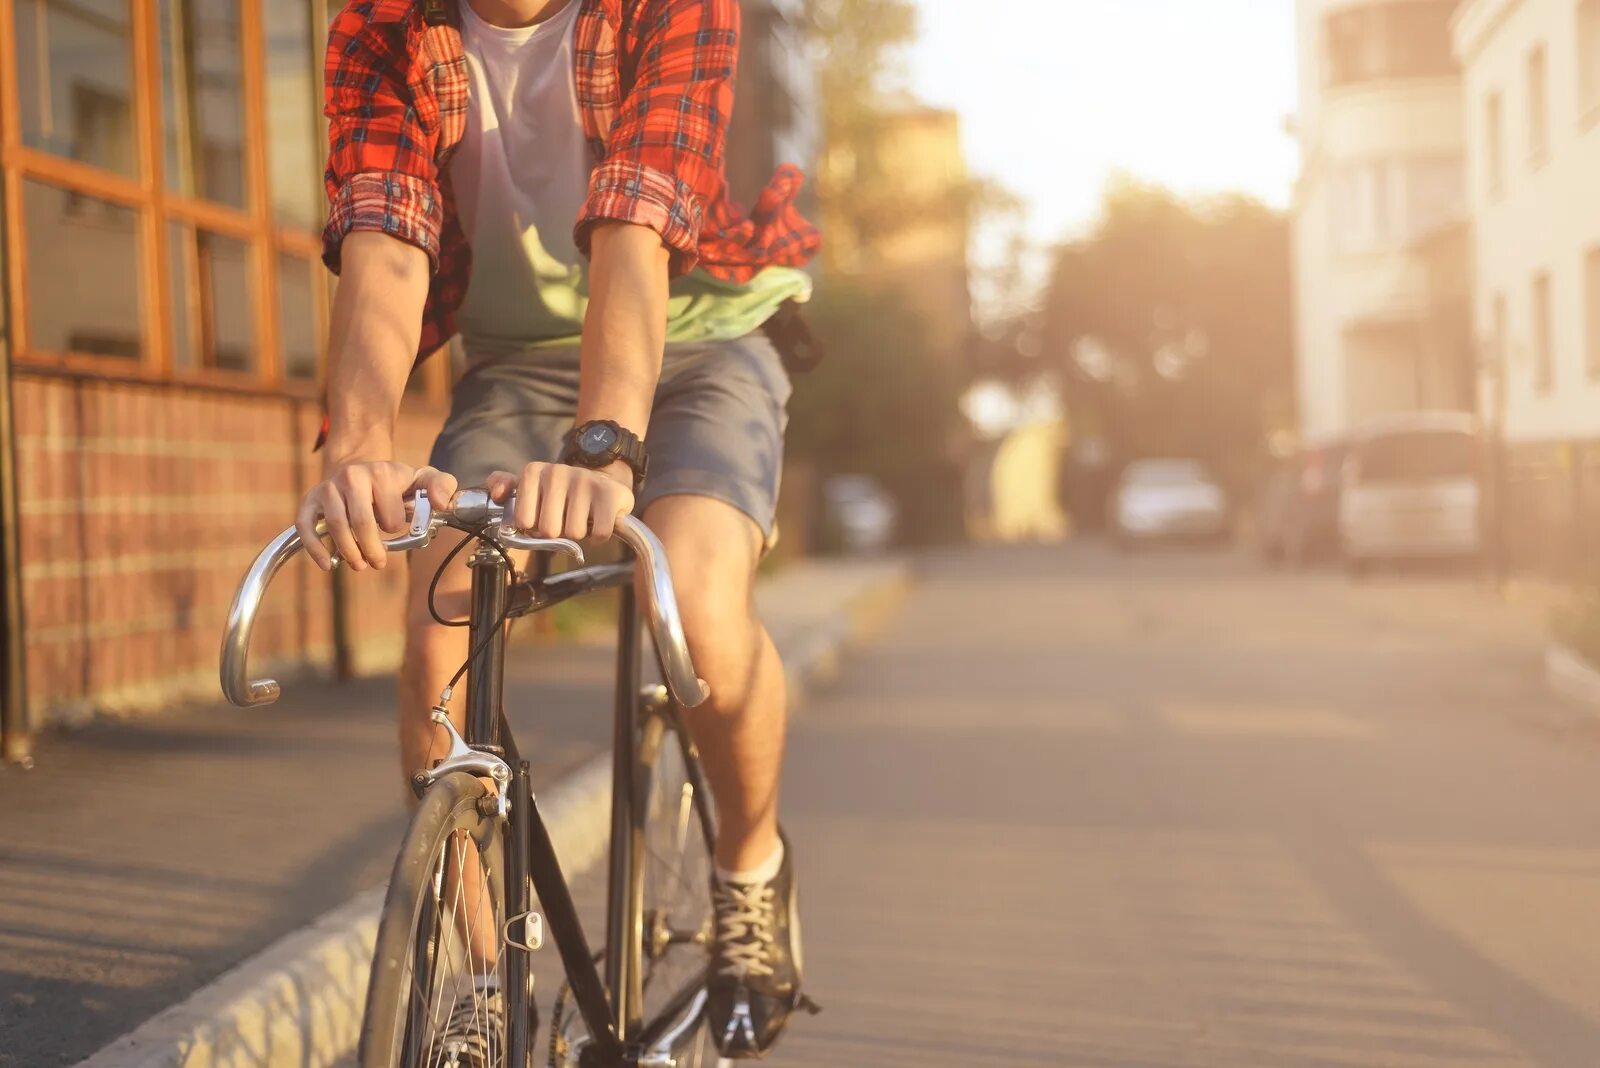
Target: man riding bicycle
545,178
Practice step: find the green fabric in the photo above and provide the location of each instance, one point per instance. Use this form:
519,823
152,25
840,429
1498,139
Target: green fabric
699,307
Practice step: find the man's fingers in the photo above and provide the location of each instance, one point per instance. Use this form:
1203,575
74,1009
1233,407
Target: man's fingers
501,485
607,509
440,486
344,543
305,521
580,494
552,495
357,488
389,502
527,512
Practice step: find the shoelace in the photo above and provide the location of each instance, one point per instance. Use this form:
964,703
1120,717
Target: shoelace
475,1027
745,918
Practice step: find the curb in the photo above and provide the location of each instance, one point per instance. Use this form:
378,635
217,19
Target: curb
299,1002
1571,676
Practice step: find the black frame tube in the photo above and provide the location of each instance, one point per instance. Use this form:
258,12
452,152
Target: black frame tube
489,580
614,1024
624,890
555,897
518,965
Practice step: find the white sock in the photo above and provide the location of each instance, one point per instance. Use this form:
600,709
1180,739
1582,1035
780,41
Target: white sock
482,983
764,872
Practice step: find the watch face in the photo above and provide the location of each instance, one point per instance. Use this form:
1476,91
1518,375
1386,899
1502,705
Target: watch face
597,439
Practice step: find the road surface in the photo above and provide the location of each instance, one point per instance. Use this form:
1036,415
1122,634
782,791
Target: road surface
1176,810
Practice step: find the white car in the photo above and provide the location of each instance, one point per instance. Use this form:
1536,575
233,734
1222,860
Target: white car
1412,489
1161,499
861,513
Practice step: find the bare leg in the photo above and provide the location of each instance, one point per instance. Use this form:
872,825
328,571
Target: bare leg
713,549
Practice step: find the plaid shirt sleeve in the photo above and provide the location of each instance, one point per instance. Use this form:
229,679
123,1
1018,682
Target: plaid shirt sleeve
664,155
381,172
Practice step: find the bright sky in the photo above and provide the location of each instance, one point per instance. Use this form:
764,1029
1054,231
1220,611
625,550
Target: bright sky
1055,95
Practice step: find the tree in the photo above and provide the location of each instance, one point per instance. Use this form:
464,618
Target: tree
1171,326
884,402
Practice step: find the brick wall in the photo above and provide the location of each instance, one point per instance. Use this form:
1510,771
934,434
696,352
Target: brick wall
140,507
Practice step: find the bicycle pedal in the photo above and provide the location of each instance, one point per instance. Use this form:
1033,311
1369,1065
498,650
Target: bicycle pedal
527,937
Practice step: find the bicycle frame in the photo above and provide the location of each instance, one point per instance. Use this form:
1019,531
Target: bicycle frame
618,1032
619,1037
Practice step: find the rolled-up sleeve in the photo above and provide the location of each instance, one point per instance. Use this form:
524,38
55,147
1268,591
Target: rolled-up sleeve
381,173
664,155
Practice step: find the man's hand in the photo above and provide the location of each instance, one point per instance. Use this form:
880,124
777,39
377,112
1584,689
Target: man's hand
562,501
361,501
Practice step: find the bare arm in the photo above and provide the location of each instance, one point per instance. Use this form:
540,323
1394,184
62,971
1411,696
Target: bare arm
377,320
624,335
625,331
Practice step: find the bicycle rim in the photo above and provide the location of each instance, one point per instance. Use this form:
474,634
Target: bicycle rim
676,873
440,947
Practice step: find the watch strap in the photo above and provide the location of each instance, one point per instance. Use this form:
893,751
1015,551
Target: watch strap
628,447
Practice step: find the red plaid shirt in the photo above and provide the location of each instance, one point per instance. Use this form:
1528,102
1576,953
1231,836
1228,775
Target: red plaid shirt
655,83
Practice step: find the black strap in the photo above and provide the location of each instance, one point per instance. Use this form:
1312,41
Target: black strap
790,333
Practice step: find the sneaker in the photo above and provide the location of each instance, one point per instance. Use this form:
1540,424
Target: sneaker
755,975
474,1035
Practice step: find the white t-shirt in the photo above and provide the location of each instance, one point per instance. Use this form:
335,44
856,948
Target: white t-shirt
520,176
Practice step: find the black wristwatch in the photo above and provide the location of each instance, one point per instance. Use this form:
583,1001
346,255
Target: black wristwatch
601,443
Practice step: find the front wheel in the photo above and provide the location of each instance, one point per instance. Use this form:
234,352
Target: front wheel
672,834
676,827
438,995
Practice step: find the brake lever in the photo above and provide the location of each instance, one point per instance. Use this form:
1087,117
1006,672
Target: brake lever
420,536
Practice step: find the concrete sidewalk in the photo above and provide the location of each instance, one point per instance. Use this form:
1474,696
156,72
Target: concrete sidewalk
140,860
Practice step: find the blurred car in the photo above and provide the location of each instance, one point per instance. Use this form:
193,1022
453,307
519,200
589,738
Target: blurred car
1412,488
1297,511
1168,499
860,514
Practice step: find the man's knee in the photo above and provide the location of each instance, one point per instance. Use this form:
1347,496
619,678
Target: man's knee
713,551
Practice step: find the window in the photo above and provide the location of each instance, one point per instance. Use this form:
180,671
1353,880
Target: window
1591,291
1377,42
1538,108
1588,61
83,260
75,76
1544,357
1394,203
1494,145
297,318
214,271
294,128
203,99
213,303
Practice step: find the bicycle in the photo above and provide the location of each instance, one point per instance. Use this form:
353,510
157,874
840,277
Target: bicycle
478,843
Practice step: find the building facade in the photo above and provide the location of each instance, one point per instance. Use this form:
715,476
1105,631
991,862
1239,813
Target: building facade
1380,312
164,318
1531,75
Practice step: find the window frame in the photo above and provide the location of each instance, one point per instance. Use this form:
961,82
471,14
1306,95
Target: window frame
1542,312
1591,311
146,193
1536,89
1494,142
1586,15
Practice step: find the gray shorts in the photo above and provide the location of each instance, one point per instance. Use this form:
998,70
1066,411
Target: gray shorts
716,431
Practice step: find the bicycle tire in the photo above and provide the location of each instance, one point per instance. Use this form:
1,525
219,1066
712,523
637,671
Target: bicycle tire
673,822
400,1029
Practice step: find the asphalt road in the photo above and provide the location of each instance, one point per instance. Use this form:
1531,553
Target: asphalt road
1172,810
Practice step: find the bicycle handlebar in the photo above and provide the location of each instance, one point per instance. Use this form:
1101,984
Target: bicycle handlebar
477,514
